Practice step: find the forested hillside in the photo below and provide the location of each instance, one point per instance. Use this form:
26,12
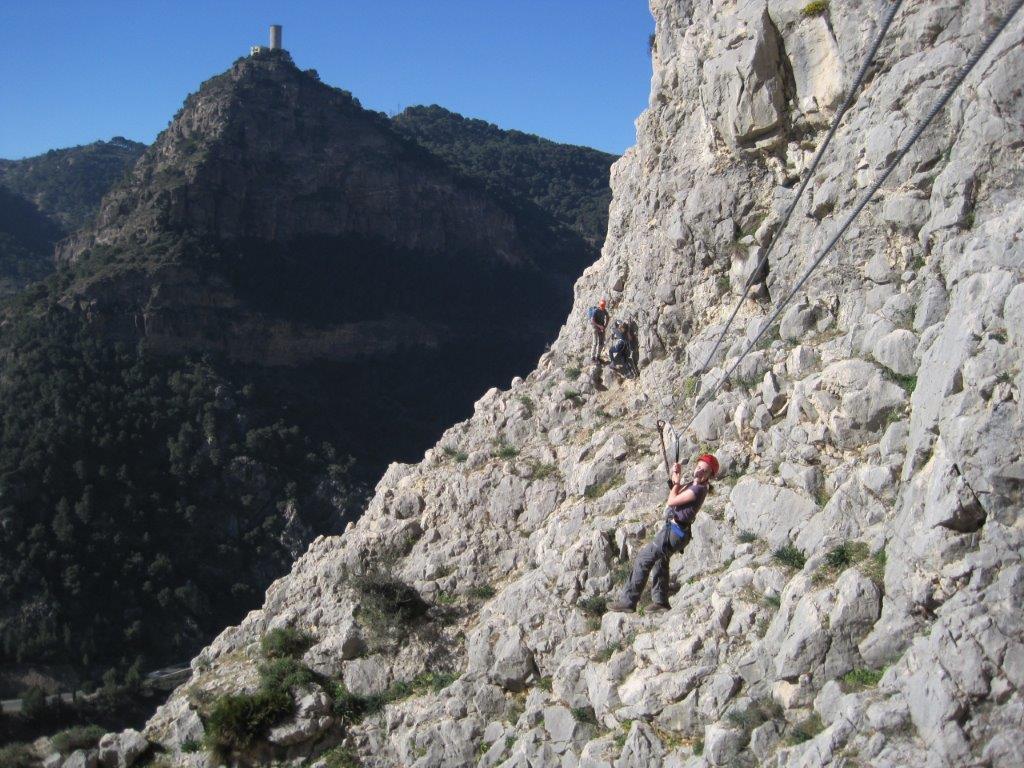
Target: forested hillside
44,198
568,182
68,184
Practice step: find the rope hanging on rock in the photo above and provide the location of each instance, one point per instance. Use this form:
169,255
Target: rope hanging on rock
935,109
868,59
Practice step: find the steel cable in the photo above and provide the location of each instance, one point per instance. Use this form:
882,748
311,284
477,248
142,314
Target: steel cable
935,109
879,38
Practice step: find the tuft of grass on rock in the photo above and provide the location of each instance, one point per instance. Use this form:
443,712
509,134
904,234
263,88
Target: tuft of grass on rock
593,606
790,556
455,454
503,450
572,372
599,490
585,715
754,714
541,470
806,729
340,757
839,558
874,568
814,8
907,383
861,679
746,537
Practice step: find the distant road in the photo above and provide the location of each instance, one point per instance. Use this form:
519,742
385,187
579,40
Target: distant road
164,679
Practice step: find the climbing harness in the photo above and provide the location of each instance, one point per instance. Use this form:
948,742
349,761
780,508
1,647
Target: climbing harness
882,32
900,155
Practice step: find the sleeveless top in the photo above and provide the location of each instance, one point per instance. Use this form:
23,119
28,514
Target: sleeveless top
681,517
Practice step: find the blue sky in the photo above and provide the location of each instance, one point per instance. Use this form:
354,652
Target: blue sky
575,71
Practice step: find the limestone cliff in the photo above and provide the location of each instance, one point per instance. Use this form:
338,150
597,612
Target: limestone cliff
852,594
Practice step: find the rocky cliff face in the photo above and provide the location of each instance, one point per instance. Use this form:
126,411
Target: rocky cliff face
852,593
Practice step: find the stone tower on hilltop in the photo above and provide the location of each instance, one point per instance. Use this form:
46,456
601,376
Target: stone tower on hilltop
275,42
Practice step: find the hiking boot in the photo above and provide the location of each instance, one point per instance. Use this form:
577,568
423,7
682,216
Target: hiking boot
658,607
621,606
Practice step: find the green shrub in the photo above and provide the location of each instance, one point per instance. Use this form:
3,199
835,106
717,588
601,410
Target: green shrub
790,556
698,747
78,737
190,746
572,372
341,757
593,606
33,703
238,721
545,683
432,682
285,674
841,557
754,714
387,606
574,397
861,679
481,592
747,537
285,642
773,601
584,715
352,707
527,402
17,756
815,8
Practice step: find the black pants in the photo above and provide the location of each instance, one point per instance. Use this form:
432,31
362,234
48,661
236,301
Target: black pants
654,556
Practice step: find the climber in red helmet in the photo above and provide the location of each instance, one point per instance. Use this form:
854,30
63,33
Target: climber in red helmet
682,506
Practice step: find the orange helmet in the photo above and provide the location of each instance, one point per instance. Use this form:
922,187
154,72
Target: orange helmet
602,303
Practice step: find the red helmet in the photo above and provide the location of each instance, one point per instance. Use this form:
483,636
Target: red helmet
602,303
711,461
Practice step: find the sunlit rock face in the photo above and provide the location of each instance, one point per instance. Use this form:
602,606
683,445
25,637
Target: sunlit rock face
853,588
